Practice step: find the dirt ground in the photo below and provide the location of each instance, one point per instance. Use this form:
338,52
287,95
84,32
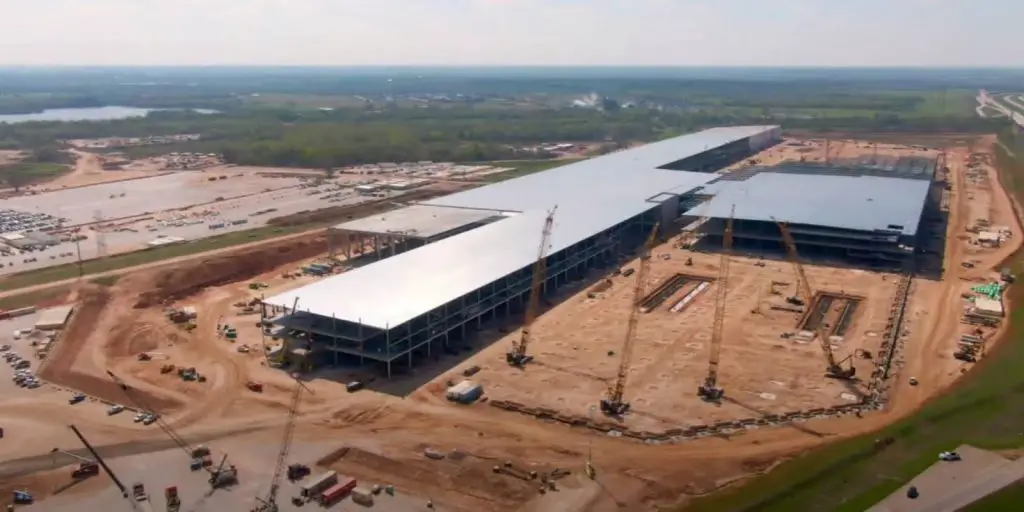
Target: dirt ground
88,170
10,157
386,436
577,345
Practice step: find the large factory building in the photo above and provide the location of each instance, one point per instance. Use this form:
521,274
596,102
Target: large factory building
864,212
450,264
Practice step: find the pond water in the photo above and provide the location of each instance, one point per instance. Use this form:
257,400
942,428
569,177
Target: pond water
86,114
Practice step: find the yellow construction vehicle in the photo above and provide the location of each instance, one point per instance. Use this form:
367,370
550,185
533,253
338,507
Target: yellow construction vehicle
614,404
834,369
709,391
517,356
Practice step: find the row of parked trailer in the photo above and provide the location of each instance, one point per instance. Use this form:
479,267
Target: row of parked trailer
223,224
329,488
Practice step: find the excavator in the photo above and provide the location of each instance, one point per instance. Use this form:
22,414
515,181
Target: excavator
517,356
834,369
709,391
614,404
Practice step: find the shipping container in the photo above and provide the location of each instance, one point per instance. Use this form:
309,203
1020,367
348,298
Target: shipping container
319,483
337,492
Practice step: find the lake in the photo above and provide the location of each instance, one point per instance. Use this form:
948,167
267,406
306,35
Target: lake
86,114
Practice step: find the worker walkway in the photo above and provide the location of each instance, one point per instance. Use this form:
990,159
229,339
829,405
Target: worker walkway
951,486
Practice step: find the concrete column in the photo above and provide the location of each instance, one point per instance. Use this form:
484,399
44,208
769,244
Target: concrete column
393,242
348,246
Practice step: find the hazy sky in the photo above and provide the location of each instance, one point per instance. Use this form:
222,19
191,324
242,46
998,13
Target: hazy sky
514,32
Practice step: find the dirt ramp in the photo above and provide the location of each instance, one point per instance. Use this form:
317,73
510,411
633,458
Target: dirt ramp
184,281
60,367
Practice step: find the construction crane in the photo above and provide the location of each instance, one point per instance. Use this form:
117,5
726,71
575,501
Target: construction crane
269,504
614,404
517,356
834,369
709,391
218,478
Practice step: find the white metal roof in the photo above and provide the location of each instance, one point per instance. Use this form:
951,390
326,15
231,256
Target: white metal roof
397,289
631,174
862,203
418,220
591,196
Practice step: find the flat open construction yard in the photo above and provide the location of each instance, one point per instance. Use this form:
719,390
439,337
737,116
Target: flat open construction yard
577,345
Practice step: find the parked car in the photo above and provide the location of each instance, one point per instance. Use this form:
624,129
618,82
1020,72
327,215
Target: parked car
115,409
949,456
76,398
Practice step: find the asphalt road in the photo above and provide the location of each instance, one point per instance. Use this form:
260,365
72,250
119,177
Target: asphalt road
950,486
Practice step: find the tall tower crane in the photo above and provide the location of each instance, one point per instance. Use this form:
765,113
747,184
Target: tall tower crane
710,391
269,504
614,404
834,369
517,356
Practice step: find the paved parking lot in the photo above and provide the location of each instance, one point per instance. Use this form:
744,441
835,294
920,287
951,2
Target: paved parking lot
21,346
196,222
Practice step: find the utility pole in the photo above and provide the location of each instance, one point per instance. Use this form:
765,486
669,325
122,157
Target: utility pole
78,248
101,240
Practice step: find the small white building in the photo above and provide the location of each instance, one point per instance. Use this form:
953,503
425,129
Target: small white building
985,306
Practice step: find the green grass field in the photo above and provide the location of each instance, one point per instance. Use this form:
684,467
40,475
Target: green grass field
985,410
26,173
525,167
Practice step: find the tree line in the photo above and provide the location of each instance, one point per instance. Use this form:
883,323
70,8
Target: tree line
320,139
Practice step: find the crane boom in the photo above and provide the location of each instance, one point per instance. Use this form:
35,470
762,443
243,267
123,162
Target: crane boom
834,369
517,356
269,504
106,469
710,391
171,433
615,404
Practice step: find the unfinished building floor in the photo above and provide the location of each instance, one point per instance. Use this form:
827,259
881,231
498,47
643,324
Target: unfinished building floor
765,366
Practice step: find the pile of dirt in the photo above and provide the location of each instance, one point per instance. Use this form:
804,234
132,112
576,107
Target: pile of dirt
181,282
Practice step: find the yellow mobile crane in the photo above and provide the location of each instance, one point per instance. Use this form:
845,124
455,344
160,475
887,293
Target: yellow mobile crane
834,369
710,391
517,356
615,404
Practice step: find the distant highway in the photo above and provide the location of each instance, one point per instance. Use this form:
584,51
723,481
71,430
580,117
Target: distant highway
985,99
